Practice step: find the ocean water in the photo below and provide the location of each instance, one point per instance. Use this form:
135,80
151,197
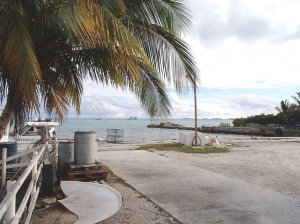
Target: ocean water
134,130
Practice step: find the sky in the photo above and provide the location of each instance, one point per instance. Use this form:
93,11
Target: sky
248,54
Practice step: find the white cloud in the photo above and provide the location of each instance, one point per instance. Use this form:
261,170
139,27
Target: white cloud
240,65
246,20
231,106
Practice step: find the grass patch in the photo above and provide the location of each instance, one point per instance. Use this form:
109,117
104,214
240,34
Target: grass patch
182,148
118,179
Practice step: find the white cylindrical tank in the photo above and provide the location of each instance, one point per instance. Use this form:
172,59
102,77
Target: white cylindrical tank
84,147
65,154
96,151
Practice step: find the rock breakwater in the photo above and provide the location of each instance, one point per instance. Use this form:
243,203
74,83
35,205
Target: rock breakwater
170,125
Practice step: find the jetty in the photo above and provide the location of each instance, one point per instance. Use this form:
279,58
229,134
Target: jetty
226,129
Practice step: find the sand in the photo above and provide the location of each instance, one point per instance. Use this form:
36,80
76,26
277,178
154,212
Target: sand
272,163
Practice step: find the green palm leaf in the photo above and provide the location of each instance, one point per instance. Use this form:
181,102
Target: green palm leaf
171,14
129,44
20,70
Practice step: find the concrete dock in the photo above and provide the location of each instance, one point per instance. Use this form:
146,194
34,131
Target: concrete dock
196,195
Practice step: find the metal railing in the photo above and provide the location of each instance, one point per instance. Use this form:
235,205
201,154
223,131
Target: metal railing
34,166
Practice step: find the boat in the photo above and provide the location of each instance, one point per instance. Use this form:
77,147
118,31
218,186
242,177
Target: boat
131,118
32,130
102,118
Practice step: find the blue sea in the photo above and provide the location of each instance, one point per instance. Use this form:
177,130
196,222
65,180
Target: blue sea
134,130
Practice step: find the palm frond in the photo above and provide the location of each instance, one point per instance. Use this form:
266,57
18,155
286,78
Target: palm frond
153,95
169,54
20,70
170,14
48,48
297,99
116,7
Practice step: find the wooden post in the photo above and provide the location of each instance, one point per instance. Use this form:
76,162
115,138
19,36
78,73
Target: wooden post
47,178
4,155
44,133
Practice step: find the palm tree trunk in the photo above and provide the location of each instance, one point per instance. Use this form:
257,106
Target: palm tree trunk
5,118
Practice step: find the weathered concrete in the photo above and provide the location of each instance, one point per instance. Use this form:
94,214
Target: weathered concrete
195,195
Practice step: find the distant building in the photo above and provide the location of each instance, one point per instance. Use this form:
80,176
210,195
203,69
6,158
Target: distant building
224,125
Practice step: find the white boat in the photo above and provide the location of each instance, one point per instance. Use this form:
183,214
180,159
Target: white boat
131,118
102,118
34,130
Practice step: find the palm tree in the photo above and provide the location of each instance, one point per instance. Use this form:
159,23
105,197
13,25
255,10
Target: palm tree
48,48
297,100
285,108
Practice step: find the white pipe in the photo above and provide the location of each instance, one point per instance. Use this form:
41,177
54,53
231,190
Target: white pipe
32,204
16,165
11,210
22,206
3,179
21,154
33,173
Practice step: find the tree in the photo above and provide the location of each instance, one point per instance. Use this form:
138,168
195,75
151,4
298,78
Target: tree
297,101
48,48
239,122
284,108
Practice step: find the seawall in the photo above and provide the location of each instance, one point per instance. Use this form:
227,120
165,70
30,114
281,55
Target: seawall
231,130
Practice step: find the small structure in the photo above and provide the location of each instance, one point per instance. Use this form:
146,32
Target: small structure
188,139
224,125
115,135
39,128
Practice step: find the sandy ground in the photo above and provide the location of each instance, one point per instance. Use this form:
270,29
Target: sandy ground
135,209
272,163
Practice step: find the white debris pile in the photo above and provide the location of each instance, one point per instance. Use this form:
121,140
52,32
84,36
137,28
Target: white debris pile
211,141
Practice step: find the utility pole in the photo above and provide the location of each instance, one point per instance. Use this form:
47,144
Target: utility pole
195,105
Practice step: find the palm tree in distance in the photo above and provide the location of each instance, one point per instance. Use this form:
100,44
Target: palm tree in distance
285,108
297,100
48,48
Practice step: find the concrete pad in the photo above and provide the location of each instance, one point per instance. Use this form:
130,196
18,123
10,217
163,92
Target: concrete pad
91,202
195,195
